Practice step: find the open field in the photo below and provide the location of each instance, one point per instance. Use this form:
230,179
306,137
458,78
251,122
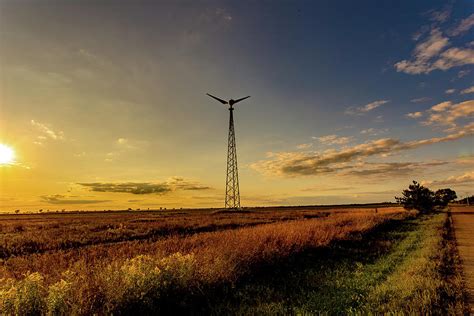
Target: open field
266,261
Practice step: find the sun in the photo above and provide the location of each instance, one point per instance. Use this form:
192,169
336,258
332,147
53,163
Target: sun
7,155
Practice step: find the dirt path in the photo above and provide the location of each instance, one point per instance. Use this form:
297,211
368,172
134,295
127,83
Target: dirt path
463,218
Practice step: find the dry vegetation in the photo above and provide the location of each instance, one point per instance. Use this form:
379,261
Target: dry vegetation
159,261
117,261
403,267
27,234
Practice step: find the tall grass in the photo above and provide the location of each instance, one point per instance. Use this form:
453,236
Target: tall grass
403,267
176,269
28,234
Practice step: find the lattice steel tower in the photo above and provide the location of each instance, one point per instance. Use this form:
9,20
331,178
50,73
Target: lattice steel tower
232,193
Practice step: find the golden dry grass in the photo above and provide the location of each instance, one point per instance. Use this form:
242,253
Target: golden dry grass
115,276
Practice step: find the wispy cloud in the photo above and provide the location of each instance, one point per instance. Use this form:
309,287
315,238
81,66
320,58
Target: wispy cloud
463,179
414,115
392,169
175,183
450,91
373,131
217,16
433,53
465,161
436,17
40,77
454,57
423,53
420,100
62,199
468,90
129,187
183,184
330,161
379,119
127,143
365,108
463,73
333,140
440,107
439,16
123,145
464,26
447,113
91,58
304,146
46,132
223,14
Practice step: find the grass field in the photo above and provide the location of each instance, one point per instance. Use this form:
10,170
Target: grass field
270,261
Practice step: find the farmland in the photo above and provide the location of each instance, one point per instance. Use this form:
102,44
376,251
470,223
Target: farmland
202,261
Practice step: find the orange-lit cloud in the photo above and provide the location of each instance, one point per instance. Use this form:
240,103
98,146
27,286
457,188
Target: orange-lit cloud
333,140
463,179
330,161
433,53
415,115
447,113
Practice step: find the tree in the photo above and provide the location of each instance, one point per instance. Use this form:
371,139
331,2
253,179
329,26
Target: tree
417,197
444,196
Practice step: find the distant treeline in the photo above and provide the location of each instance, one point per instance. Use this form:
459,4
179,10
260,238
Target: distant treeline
324,206
466,200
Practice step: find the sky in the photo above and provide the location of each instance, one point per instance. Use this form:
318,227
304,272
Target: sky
104,102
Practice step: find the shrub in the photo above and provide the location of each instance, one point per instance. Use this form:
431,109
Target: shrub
417,197
58,298
423,199
24,297
139,283
444,196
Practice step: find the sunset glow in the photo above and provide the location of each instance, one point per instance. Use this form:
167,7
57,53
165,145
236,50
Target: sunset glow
110,109
7,155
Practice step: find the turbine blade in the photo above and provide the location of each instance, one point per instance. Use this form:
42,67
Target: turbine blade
220,100
238,100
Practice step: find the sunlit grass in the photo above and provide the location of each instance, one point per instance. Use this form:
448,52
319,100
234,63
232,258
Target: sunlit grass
176,268
396,270
361,262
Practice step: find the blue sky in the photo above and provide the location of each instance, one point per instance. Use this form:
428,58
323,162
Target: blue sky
113,93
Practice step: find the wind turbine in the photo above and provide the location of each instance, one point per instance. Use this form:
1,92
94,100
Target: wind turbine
232,192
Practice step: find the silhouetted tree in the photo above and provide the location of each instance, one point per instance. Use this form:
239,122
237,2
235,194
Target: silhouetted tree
444,196
417,197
